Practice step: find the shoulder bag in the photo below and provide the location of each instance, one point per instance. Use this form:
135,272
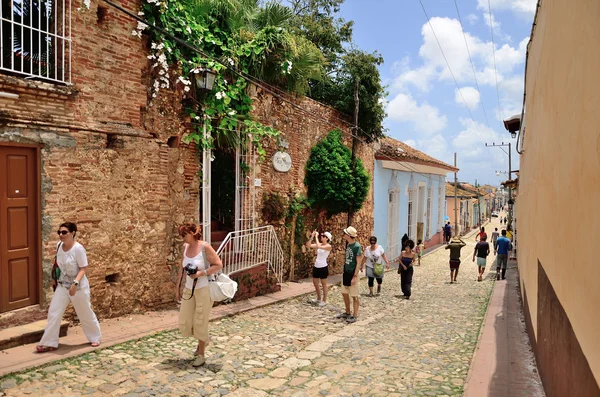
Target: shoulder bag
221,287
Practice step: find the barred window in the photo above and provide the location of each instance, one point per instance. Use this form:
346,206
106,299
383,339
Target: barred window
36,39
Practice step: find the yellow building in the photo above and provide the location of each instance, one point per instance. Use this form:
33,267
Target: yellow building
556,209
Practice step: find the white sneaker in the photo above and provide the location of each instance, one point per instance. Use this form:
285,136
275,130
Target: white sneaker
314,301
321,304
199,361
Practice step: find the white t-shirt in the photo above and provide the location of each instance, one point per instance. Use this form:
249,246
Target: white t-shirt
374,256
70,262
321,260
198,261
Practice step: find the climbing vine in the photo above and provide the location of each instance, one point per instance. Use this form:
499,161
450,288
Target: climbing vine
234,38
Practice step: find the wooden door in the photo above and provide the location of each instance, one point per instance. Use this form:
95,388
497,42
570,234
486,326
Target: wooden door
19,248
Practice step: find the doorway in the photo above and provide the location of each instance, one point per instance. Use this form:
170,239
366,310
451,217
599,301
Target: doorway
19,228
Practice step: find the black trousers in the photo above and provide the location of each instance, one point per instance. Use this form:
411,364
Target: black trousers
406,280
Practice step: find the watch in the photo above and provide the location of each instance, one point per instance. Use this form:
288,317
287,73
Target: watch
75,282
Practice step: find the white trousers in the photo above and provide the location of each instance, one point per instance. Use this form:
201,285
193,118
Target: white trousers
83,308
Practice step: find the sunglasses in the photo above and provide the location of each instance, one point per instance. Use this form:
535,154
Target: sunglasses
63,232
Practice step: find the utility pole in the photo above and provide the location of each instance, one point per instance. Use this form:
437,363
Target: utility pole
455,199
354,140
510,200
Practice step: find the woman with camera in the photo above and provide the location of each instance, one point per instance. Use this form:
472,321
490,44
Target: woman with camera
199,261
72,286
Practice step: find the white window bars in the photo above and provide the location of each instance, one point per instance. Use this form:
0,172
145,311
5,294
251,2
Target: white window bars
393,223
35,39
428,215
441,202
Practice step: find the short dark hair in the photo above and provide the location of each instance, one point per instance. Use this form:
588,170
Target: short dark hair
372,238
410,244
504,232
496,228
482,229
70,226
419,241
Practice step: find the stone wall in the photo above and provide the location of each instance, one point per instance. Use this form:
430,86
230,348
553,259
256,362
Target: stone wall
302,130
107,163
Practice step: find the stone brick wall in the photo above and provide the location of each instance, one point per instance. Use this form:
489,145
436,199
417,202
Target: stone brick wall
106,164
302,131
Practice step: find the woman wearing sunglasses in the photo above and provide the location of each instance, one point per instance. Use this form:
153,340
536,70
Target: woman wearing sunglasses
72,286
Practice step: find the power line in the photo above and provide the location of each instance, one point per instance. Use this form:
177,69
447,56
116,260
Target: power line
472,65
494,55
450,69
265,86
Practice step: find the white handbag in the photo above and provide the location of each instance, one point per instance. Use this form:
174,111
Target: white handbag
220,286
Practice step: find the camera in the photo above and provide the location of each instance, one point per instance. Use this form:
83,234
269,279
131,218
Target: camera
191,269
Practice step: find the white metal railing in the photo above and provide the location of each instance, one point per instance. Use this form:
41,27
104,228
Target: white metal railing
245,249
35,38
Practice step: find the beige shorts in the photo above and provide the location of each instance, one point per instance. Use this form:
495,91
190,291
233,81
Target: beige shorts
194,314
351,290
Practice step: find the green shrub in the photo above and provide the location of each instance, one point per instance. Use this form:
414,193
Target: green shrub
332,186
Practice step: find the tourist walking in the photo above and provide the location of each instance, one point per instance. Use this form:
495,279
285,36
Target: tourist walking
481,234
419,251
502,247
373,259
72,286
350,275
482,250
320,270
495,236
199,262
447,232
455,246
406,269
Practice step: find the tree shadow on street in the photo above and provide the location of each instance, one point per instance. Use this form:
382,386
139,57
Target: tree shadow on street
185,364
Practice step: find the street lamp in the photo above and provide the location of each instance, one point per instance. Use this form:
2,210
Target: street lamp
205,79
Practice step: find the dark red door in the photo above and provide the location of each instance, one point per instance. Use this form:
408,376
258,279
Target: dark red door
19,252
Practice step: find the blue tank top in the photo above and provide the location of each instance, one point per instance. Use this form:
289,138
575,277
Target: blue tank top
406,261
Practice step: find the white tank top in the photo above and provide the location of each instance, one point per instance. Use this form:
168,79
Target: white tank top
198,261
322,255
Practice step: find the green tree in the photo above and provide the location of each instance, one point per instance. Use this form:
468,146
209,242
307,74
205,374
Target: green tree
332,186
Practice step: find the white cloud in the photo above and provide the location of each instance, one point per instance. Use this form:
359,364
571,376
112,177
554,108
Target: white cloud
426,119
411,142
472,18
526,7
470,141
498,32
470,97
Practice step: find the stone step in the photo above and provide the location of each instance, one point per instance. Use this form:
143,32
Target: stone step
28,333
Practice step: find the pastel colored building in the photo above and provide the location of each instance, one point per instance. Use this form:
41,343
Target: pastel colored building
409,195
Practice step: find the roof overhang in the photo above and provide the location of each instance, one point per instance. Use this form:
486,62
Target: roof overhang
409,166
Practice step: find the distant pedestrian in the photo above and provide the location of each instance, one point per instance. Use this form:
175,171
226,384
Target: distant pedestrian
455,246
482,250
199,262
72,286
481,234
350,275
495,236
419,251
373,259
404,240
447,232
502,247
505,220
320,272
406,269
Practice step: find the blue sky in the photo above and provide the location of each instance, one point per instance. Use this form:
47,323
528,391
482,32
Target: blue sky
425,108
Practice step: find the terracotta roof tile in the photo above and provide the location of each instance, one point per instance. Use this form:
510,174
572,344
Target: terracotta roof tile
392,149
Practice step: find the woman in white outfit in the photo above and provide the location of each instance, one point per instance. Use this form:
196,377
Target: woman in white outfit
320,269
196,304
374,254
72,286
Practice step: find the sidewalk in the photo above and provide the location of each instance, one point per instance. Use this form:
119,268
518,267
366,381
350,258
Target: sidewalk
504,364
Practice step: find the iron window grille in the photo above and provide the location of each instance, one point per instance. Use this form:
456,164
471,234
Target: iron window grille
35,38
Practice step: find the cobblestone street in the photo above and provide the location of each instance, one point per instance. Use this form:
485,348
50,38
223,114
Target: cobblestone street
421,347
